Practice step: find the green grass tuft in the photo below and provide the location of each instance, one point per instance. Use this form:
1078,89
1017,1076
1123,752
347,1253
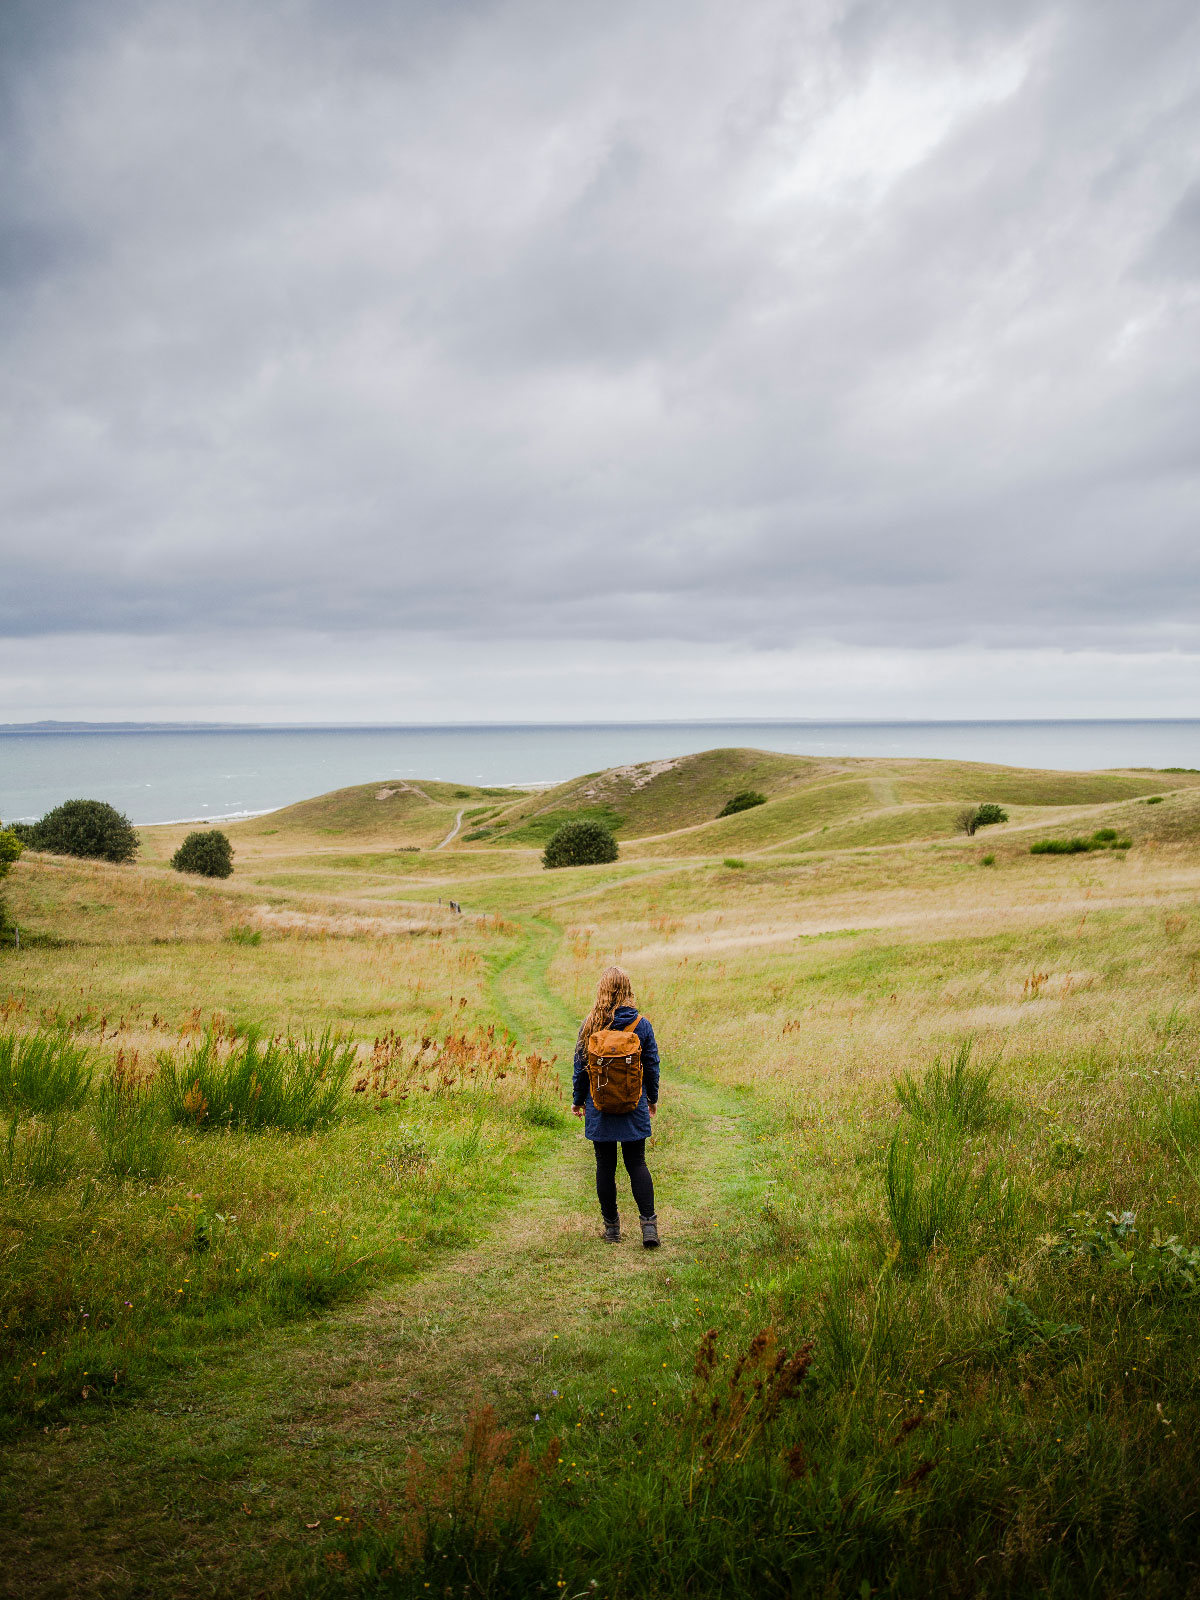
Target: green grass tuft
43,1073
294,1085
953,1093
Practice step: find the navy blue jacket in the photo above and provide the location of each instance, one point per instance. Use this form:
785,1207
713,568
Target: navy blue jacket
633,1124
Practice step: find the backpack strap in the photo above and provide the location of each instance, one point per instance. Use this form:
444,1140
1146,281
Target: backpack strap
632,1028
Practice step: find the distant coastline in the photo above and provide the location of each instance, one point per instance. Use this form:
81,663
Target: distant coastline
51,726
159,773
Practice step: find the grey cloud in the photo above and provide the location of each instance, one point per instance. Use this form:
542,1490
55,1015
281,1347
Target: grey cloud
1175,251
873,330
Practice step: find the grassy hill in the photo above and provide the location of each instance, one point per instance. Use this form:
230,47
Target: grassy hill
672,807
393,813
392,808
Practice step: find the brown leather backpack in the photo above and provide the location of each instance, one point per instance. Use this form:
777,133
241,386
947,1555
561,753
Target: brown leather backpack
614,1063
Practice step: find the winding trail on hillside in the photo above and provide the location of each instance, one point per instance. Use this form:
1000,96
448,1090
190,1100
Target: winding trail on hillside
453,831
193,1493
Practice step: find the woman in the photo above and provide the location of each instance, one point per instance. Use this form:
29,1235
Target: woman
614,1009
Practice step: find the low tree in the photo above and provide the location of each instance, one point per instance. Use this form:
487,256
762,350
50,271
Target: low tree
10,849
985,816
988,814
208,853
89,828
742,801
579,844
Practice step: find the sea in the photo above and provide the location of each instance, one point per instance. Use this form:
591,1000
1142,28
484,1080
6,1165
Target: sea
157,773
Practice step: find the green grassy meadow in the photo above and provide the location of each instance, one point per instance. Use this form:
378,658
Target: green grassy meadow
283,1323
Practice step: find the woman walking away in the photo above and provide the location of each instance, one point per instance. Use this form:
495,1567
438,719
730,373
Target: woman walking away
616,1093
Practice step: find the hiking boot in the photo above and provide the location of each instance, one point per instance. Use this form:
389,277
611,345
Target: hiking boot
650,1239
612,1230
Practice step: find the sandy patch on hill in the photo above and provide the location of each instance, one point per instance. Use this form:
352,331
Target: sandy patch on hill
637,776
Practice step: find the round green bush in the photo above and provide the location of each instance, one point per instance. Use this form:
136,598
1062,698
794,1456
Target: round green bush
579,844
742,801
90,828
989,814
209,853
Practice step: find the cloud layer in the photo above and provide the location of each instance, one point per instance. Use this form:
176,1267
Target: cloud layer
507,326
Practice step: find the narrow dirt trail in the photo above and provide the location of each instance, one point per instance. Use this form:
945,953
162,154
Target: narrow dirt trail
237,1462
453,831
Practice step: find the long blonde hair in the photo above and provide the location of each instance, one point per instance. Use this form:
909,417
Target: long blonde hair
613,990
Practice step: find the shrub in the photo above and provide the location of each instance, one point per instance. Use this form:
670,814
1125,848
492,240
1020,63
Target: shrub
986,815
296,1085
734,863
579,844
10,849
1102,839
1155,800
42,1072
987,861
744,800
89,828
989,814
244,935
207,852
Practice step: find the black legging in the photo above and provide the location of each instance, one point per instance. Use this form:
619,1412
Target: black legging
640,1181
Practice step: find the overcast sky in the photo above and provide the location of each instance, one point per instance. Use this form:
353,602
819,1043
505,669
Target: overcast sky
408,359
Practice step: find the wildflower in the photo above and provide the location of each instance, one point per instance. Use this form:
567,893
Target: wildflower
537,1416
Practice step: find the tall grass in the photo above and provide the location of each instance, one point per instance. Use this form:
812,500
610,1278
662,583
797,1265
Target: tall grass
466,1525
930,1194
129,1123
43,1073
32,1154
953,1092
295,1084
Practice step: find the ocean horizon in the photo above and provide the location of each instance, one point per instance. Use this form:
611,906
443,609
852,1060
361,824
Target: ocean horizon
184,772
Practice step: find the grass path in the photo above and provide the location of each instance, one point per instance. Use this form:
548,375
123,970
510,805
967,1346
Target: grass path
211,1487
